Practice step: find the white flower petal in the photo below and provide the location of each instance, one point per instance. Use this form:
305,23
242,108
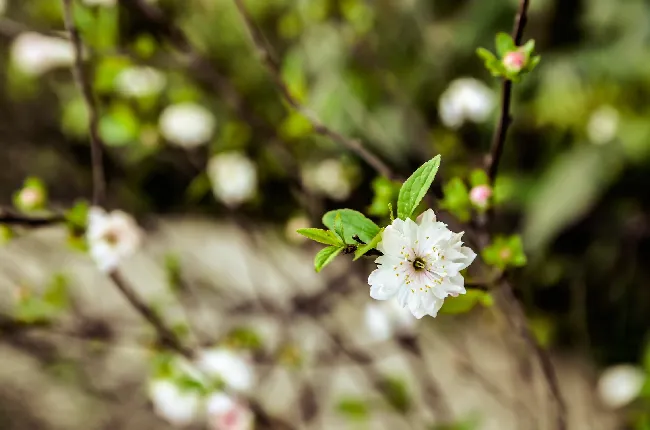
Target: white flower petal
229,366
178,407
378,322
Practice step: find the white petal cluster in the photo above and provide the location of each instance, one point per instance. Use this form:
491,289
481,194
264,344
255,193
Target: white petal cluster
603,125
421,264
385,319
187,125
227,365
233,177
112,237
621,384
35,54
140,81
175,405
466,99
227,413
328,178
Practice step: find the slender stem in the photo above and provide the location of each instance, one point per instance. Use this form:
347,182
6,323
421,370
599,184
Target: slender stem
492,166
274,69
96,145
9,217
505,119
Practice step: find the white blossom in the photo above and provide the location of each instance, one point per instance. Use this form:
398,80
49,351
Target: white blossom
140,81
231,367
621,384
385,319
603,125
175,405
233,177
107,3
421,264
466,99
34,54
328,178
111,237
226,413
187,124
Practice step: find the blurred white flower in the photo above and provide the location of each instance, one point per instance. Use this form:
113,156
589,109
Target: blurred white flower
621,384
421,264
385,319
34,54
111,237
233,177
107,3
179,407
187,124
329,178
226,413
140,81
296,223
603,125
466,99
231,367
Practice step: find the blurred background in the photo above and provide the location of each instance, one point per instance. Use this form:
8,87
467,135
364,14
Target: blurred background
220,172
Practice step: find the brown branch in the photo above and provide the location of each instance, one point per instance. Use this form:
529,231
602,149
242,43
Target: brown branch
505,119
273,67
492,165
10,217
96,145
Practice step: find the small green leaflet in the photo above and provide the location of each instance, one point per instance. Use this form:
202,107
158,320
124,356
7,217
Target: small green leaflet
361,250
326,237
353,223
504,44
466,302
326,256
415,187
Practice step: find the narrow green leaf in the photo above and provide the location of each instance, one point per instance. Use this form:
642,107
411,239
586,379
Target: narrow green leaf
529,47
465,302
416,186
353,409
485,54
326,237
326,256
504,44
338,227
368,246
353,223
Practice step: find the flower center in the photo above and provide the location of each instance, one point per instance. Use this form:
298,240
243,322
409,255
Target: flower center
111,237
419,264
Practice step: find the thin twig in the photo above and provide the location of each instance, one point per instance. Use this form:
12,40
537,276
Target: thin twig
9,217
499,138
99,181
492,165
274,69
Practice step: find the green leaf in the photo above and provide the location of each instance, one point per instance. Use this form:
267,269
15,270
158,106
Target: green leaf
326,237
56,294
504,44
338,227
478,177
528,47
465,302
77,216
485,55
415,187
354,409
395,392
534,61
456,199
353,223
361,250
326,256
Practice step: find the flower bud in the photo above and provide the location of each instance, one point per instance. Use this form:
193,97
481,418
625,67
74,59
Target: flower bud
514,61
479,195
31,198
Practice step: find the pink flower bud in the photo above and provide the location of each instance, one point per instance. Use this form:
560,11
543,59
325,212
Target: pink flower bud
514,61
480,195
30,198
